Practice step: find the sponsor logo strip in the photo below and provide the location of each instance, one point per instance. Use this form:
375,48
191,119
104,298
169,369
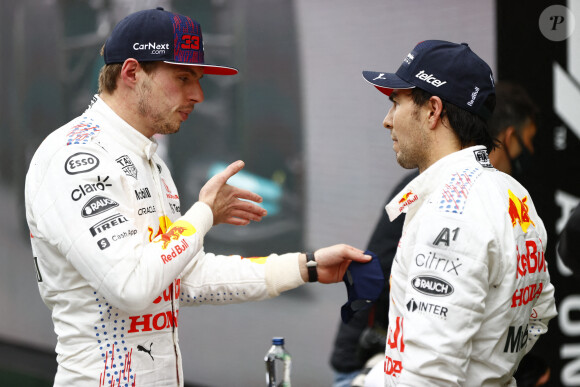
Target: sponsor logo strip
80,163
97,205
526,294
429,78
107,224
482,158
516,340
427,308
85,189
434,262
174,233
519,211
142,193
432,286
127,165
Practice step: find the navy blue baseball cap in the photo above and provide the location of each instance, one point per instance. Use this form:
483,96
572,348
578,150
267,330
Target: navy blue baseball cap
159,35
448,70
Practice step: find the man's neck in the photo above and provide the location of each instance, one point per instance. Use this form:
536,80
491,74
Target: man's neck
124,107
444,142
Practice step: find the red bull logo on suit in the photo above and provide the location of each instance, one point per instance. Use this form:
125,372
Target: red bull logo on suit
518,210
407,199
170,239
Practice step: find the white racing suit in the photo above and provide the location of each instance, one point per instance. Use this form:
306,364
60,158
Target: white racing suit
470,289
115,258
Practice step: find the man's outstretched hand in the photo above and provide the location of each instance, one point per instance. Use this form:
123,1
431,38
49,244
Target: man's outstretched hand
332,262
224,200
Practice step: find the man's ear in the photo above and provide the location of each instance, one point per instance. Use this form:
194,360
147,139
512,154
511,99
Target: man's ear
509,136
435,109
129,72
509,133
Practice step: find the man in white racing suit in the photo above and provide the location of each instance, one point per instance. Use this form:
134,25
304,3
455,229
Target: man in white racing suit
470,289
115,257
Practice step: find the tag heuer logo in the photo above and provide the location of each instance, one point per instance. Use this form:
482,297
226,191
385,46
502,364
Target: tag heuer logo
128,166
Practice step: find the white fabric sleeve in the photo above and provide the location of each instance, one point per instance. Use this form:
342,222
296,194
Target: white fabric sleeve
283,273
220,279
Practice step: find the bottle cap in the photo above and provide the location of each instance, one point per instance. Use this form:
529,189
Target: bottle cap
278,341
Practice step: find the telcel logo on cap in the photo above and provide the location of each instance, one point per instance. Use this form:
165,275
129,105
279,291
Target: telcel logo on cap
429,78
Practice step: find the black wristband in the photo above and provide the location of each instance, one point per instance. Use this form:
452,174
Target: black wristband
311,264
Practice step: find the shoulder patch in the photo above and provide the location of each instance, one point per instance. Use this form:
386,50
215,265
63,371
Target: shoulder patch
482,158
454,193
82,131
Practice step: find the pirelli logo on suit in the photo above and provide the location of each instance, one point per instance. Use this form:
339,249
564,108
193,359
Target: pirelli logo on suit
107,224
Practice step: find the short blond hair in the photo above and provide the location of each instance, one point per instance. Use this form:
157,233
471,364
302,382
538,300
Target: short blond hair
109,74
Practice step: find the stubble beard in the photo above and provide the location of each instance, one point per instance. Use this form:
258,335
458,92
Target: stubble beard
412,154
408,158
159,121
404,161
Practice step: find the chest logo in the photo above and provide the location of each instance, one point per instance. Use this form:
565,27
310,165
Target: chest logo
97,205
406,200
80,162
432,286
128,167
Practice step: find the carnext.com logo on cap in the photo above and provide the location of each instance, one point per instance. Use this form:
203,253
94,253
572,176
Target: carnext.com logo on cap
429,78
153,46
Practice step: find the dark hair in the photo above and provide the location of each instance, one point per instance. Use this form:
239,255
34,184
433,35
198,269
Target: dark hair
110,72
469,127
514,108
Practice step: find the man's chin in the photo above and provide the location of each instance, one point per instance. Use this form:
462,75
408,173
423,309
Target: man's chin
169,129
405,163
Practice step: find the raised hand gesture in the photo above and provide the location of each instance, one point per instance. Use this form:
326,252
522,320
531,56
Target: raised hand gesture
225,200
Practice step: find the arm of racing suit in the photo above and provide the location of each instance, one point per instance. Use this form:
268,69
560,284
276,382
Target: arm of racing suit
218,279
544,310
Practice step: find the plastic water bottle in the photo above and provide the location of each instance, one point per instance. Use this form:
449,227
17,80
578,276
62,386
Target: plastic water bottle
278,364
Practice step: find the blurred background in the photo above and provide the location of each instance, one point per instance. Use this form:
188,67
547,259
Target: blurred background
310,131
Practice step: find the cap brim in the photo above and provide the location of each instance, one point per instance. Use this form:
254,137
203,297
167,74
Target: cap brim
209,68
386,82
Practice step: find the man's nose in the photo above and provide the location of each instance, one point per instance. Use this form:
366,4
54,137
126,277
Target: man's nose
196,93
388,121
